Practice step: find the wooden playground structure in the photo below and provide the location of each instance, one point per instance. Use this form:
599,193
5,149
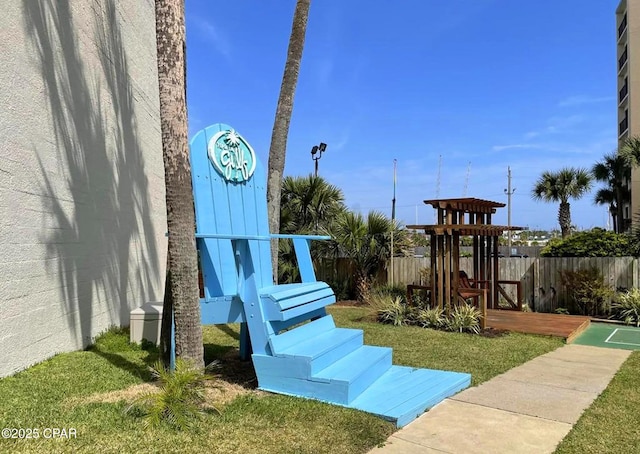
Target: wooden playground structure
449,284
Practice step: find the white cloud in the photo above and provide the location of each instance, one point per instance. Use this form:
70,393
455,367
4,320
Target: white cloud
516,146
580,100
214,34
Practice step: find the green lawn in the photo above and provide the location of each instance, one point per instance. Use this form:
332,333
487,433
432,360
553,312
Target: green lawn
54,394
612,423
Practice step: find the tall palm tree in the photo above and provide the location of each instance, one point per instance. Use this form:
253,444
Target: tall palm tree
605,196
614,170
181,295
560,186
280,133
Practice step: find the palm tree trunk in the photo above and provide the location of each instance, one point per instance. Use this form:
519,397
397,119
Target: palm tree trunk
564,219
280,133
619,211
182,257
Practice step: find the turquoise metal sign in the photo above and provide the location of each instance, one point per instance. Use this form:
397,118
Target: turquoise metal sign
232,156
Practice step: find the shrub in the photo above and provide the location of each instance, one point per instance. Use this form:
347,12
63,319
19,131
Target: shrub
430,318
596,242
179,401
587,290
627,307
393,311
464,318
394,291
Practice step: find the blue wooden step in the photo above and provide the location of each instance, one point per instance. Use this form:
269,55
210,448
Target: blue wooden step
301,333
403,393
353,373
324,349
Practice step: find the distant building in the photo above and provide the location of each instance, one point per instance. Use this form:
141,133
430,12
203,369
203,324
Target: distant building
628,68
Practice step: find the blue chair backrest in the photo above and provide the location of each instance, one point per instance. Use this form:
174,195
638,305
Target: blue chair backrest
229,187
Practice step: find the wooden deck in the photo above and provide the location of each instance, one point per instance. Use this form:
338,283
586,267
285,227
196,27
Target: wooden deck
566,326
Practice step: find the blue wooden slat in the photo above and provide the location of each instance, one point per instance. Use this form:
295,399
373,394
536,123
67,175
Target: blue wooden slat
302,237
228,236
263,249
306,298
280,325
303,255
284,291
283,367
273,312
301,387
221,310
292,337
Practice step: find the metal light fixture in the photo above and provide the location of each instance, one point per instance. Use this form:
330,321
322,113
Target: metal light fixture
318,150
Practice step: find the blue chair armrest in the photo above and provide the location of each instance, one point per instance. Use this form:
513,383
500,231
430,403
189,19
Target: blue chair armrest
302,237
224,236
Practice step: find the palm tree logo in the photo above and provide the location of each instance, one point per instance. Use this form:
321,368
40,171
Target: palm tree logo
232,156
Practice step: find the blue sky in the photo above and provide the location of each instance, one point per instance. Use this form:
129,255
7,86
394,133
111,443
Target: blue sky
486,84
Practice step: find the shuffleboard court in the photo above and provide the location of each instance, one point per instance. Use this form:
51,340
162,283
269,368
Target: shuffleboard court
610,336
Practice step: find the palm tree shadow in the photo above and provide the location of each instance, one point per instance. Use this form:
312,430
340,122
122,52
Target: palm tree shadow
97,223
140,371
229,367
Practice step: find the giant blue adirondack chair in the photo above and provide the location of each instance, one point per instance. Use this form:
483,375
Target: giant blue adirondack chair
315,359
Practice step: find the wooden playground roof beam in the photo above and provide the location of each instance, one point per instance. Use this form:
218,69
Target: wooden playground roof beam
467,204
465,229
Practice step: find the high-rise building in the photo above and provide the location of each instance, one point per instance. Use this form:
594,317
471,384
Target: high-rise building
628,67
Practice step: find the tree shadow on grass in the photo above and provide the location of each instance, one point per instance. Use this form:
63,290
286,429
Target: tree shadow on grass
230,367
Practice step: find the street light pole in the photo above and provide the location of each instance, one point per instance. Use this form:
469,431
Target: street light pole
393,218
509,193
317,150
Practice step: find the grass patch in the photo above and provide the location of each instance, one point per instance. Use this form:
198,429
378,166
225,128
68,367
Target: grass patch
612,423
88,390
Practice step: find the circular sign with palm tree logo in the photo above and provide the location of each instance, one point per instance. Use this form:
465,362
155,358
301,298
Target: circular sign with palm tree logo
232,156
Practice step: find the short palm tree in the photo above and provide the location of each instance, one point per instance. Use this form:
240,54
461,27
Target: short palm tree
367,241
614,170
560,186
307,205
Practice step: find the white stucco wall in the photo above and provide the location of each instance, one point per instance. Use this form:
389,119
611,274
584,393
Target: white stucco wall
82,210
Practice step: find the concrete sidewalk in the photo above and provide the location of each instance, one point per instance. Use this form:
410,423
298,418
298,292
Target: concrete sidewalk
528,409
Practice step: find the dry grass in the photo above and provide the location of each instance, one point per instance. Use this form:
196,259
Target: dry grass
218,392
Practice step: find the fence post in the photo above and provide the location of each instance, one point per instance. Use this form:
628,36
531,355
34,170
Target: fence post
536,283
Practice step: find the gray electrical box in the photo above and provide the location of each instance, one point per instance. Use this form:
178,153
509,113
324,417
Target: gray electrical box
145,323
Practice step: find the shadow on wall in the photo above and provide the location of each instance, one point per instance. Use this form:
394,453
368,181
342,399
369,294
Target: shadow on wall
101,245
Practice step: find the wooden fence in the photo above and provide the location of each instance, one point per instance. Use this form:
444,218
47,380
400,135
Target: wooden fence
542,289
